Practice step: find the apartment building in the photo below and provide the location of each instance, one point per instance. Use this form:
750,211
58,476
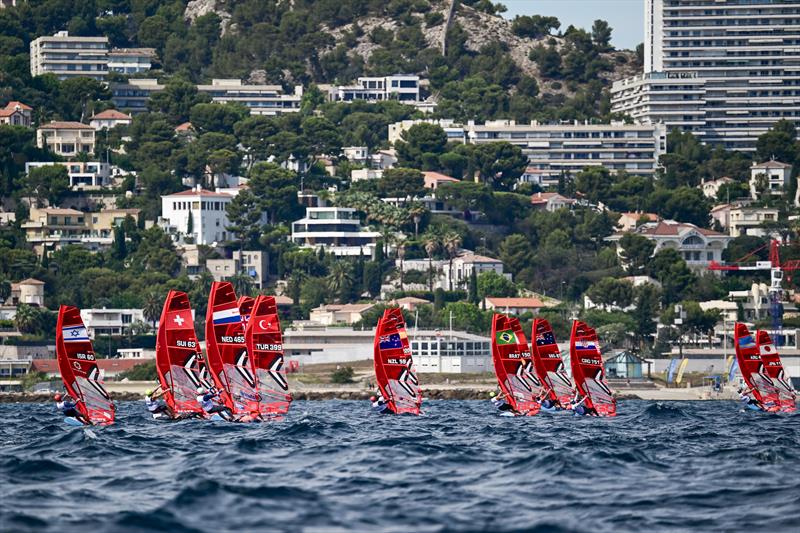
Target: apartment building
197,213
131,60
400,87
725,70
16,114
254,263
132,95
336,229
69,56
53,228
259,99
746,220
111,321
88,175
772,177
66,139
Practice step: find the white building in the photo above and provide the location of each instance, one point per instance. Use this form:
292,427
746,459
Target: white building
67,139
401,87
111,321
132,95
69,57
207,210
451,352
455,131
753,304
630,221
89,175
332,314
771,176
697,246
131,60
745,220
464,266
551,201
259,99
723,69
337,229
253,263
711,188
108,119
29,291
513,306
16,114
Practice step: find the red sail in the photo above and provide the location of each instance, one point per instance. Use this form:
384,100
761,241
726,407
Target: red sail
394,366
752,366
587,369
226,352
265,345
179,359
246,307
79,372
548,363
513,365
783,393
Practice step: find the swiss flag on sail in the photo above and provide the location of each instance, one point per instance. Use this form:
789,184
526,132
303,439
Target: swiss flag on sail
265,324
178,319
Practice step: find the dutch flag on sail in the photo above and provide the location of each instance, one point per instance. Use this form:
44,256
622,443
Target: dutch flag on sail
74,334
227,316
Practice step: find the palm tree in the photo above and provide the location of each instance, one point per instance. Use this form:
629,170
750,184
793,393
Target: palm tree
28,319
416,211
431,246
242,284
340,279
152,307
452,244
5,290
401,255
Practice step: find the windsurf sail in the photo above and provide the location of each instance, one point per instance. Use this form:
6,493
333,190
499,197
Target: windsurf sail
681,369
226,353
752,367
513,365
78,367
264,342
394,365
587,369
179,360
785,394
548,363
246,307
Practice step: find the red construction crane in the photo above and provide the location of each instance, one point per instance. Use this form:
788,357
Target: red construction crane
776,269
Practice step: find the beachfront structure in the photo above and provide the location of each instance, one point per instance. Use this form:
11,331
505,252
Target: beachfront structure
555,150
259,99
111,321
697,246
132,95
401,87
66,139
53,228
724,70
336,229
771,177
451,352
108,119
83,175
69,56
198,214
131,60
253,263
16,114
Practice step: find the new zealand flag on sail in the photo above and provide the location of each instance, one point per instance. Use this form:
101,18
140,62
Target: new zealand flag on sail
545,338
388,342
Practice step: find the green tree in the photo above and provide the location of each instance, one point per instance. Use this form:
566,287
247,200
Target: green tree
610,292
492,284
219,118
177,100
421,146
636,252
516,252
276,191
451,242
670,269
535,26
647,301
431,243
601,35
340,280
343,375
500,163
401,182
48,184
153,304
28,319
780,142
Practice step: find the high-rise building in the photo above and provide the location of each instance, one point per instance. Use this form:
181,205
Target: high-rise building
726,70
70,57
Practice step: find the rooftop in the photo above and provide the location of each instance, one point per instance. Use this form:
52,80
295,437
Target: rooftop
514,302
475,258
195,192
545,197
433,179
111,114
671,227
58,125
345,308
771,164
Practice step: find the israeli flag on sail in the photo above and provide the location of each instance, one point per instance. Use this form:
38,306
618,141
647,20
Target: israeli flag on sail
74,333
227,316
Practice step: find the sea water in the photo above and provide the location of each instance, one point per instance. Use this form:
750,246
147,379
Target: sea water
335,466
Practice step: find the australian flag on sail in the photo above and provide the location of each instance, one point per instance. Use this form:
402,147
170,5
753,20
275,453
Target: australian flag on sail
387,342
545,338
75,333
747,342
227,316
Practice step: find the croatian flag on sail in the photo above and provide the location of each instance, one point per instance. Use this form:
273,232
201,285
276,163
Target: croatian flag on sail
585,345
747,342
75,334
227,316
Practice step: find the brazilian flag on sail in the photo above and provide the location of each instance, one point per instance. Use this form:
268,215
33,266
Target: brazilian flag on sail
505,337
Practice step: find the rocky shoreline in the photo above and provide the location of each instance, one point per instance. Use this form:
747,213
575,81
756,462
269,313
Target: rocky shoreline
428,394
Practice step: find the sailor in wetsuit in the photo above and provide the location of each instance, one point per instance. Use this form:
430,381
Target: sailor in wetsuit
155,404
578,407
68,408
749,401
499,402
209,401
380,405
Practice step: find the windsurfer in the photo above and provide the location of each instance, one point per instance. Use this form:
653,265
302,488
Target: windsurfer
747,400
69,408
155,404
380,405
499,402
580,406
209,400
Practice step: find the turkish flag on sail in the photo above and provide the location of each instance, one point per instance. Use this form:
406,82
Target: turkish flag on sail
179,319
267,324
